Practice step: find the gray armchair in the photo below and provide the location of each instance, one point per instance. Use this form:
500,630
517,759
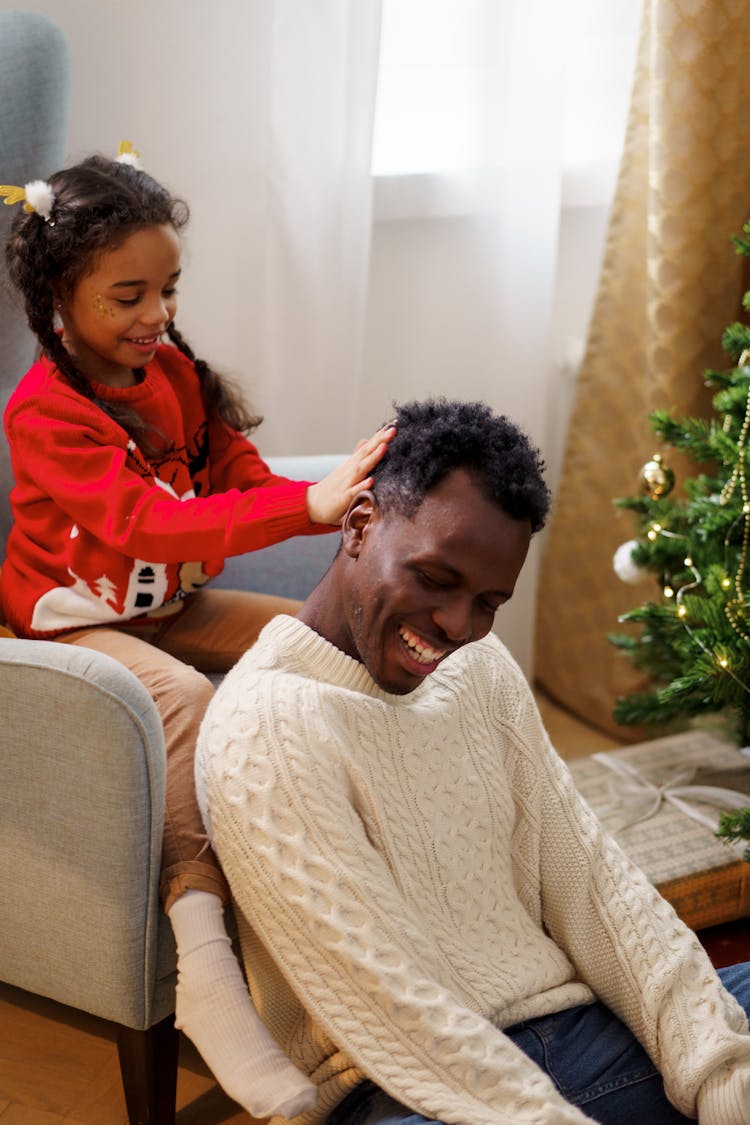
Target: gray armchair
81,745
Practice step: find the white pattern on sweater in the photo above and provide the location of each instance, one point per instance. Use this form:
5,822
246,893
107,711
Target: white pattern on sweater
424,874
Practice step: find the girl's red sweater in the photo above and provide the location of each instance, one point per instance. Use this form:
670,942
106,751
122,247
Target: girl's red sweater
103,534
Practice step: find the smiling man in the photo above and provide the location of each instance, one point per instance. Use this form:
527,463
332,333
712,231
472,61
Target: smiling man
435,927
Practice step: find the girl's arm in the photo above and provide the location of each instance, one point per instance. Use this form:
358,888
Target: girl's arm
236,463
99,481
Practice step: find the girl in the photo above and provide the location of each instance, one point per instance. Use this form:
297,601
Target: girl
134,480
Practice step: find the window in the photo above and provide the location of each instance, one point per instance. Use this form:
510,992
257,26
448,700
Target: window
468,87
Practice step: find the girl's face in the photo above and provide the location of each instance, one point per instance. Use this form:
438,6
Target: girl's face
117,314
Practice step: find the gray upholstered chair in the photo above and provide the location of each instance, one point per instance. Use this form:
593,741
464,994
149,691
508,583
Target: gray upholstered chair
81,745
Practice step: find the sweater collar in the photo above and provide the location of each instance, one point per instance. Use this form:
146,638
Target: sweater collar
141,390
305,652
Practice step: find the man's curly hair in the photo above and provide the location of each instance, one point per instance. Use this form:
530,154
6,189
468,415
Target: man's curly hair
438,435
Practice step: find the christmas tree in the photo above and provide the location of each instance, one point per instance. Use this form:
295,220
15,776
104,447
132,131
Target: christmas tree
693,639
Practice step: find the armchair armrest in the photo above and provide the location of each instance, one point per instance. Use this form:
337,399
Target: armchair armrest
81,806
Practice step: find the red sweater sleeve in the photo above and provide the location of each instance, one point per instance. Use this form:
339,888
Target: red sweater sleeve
102,532
77,458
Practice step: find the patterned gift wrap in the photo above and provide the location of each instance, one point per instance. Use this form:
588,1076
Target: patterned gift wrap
661,801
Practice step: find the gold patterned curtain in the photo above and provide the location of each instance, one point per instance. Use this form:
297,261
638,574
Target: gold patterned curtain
670,283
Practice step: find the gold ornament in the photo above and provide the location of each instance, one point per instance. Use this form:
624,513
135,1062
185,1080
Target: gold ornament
656,478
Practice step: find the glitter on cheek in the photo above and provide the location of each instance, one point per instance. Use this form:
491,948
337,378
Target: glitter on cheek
101,307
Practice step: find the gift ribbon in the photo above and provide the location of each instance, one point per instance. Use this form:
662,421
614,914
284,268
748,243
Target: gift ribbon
636,799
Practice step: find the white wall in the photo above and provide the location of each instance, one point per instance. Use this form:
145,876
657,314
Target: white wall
183,80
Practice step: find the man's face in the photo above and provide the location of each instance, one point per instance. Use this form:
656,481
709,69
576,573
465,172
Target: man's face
416,588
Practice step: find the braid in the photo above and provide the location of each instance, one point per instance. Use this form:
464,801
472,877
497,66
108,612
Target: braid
26,255
220,399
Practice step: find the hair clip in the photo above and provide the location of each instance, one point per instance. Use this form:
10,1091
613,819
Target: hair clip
38,196
126,154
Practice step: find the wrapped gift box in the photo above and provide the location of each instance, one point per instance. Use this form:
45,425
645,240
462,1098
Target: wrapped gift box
652,797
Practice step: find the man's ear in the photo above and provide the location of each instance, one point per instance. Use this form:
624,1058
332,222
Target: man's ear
362,512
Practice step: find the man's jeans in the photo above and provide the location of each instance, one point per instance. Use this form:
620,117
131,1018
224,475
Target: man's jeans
591,1057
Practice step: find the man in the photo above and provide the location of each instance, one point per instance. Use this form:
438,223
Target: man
435,926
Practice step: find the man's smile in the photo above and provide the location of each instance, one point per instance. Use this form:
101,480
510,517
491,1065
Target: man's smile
419,650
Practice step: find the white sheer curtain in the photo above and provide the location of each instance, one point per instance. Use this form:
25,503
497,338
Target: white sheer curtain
464,261
259,113
466,279
492,117
316,239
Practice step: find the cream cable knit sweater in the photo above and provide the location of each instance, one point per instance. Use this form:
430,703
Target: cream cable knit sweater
424,874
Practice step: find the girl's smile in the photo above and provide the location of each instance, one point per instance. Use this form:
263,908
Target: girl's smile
145,343
117,314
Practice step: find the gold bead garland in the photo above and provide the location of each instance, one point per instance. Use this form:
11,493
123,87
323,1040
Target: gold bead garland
735,608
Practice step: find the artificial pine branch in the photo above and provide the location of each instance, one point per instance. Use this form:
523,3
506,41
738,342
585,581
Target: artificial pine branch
694,640
735,826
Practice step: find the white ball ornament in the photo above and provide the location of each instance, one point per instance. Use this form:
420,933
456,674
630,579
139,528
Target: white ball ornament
624,567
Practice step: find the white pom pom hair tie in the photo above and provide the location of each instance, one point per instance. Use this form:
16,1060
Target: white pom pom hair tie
126,154
38,196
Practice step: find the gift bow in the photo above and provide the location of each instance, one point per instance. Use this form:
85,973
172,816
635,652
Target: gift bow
636,799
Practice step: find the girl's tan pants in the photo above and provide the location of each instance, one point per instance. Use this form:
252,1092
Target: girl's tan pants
209,633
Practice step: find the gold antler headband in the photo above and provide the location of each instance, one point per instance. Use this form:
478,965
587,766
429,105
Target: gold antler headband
38,196
126,154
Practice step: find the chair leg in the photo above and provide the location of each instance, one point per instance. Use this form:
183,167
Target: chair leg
148,1064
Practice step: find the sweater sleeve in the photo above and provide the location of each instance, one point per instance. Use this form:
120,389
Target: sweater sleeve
626,941
282,815
236,462
83,462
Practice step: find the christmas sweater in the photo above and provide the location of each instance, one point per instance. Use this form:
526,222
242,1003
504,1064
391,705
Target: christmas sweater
103,533
414,873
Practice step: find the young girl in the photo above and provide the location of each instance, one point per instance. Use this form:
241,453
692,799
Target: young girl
134,481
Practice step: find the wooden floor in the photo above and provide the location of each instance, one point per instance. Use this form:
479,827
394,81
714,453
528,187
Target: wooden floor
60,1066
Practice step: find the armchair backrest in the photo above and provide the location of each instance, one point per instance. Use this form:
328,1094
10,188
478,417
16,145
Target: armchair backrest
34,84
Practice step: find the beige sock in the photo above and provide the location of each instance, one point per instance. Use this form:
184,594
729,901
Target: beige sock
214,1009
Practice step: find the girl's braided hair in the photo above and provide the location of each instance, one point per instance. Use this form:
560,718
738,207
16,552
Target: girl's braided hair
98,205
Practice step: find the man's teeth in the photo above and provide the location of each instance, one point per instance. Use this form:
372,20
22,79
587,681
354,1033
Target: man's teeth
421,652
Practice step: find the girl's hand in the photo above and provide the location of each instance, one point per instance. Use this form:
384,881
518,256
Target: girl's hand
328,500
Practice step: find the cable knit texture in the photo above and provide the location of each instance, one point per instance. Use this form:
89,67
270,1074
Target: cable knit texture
424,874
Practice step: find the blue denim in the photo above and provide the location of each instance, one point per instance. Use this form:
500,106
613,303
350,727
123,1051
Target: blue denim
593,1059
